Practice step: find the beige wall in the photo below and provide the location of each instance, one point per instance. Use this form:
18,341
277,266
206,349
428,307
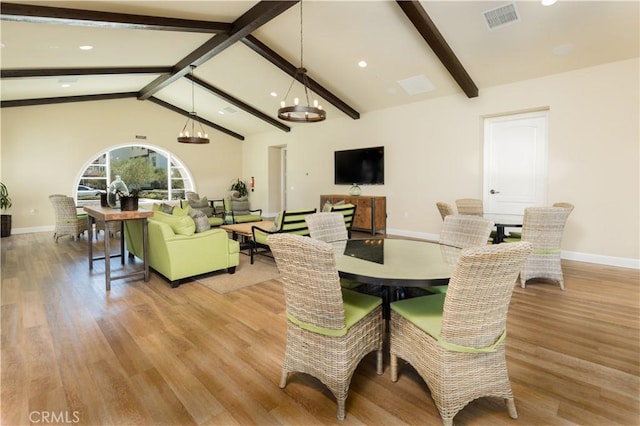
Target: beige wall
434,152
44,149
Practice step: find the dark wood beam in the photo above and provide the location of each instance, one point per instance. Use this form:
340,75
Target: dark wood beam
55,72
267,53
425,26
237,102
65,99
58,15
254,18
197,118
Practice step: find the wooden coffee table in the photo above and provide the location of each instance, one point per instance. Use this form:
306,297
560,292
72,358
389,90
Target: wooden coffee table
244,231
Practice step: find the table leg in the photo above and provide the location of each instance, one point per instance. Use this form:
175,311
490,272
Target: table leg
145,247
122,242
90,222
107,257
499,235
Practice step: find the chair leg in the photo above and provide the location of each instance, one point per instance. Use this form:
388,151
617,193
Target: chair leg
394,368
341,410
511,407
283,379
379,368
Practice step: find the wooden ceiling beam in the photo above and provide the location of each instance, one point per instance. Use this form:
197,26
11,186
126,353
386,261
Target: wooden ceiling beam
197,118
425,26
89,18
234,101
270,55
56,72
253,19
65,99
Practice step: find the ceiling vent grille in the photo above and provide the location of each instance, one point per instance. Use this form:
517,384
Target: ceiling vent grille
501,16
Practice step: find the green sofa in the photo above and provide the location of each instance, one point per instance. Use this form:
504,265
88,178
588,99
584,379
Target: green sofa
177,252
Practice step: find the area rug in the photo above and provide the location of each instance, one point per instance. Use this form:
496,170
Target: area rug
263,269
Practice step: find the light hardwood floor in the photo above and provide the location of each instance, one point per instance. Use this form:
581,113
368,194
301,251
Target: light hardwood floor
147,354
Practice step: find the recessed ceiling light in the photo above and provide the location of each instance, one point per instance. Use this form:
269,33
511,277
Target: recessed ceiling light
65,85
362,64
273,94
548,2
86,47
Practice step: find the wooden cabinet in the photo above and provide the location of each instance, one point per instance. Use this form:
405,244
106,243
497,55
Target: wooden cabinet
371,212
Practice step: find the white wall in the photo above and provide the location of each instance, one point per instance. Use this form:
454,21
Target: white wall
44,149
434,152
433,149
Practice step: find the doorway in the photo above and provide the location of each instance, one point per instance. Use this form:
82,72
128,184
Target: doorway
515,162
277,175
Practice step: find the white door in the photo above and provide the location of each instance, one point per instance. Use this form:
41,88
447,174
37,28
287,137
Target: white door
515,162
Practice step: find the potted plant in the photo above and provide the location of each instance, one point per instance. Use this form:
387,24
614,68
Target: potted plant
240,186
5,203
136,172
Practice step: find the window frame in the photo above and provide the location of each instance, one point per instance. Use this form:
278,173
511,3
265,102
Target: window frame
173,163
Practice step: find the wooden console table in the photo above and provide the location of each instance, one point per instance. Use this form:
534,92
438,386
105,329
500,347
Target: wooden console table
371,211
107,214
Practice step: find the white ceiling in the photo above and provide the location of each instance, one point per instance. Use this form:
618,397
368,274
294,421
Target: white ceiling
337,34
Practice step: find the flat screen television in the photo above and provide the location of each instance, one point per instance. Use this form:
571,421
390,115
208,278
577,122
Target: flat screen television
363,166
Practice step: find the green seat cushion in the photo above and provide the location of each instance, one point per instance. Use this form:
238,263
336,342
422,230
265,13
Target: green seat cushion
350,284
356,307
425,312
247,218
181,225
216,221
438,289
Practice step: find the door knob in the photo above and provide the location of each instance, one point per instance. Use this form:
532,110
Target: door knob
493,191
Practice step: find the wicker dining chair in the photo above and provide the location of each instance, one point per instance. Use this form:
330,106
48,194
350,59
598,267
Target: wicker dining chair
68,221
543,227
331,228
465,231
445,209
470,206
329,329
564,205
461,232
456,341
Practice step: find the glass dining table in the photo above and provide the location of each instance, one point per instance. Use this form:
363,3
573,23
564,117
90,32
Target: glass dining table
395,264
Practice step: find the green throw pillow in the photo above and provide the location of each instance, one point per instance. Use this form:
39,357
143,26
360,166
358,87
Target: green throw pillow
181,225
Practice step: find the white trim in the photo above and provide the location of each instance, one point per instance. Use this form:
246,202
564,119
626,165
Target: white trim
600,259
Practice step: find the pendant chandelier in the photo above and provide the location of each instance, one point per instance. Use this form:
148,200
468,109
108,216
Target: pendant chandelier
189,133
309,113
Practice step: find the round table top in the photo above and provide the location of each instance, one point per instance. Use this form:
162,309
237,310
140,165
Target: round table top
396,262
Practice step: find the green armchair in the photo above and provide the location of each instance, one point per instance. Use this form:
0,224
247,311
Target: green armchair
237,210
176,252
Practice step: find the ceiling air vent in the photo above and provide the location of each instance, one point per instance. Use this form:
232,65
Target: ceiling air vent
501,16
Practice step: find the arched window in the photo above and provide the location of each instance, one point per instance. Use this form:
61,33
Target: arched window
153,173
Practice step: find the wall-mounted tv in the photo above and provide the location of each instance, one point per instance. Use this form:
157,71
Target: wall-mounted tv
364,166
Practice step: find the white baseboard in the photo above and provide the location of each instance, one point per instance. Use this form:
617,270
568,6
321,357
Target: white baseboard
621,262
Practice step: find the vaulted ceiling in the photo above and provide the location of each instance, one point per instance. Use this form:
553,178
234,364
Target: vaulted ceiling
246,50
